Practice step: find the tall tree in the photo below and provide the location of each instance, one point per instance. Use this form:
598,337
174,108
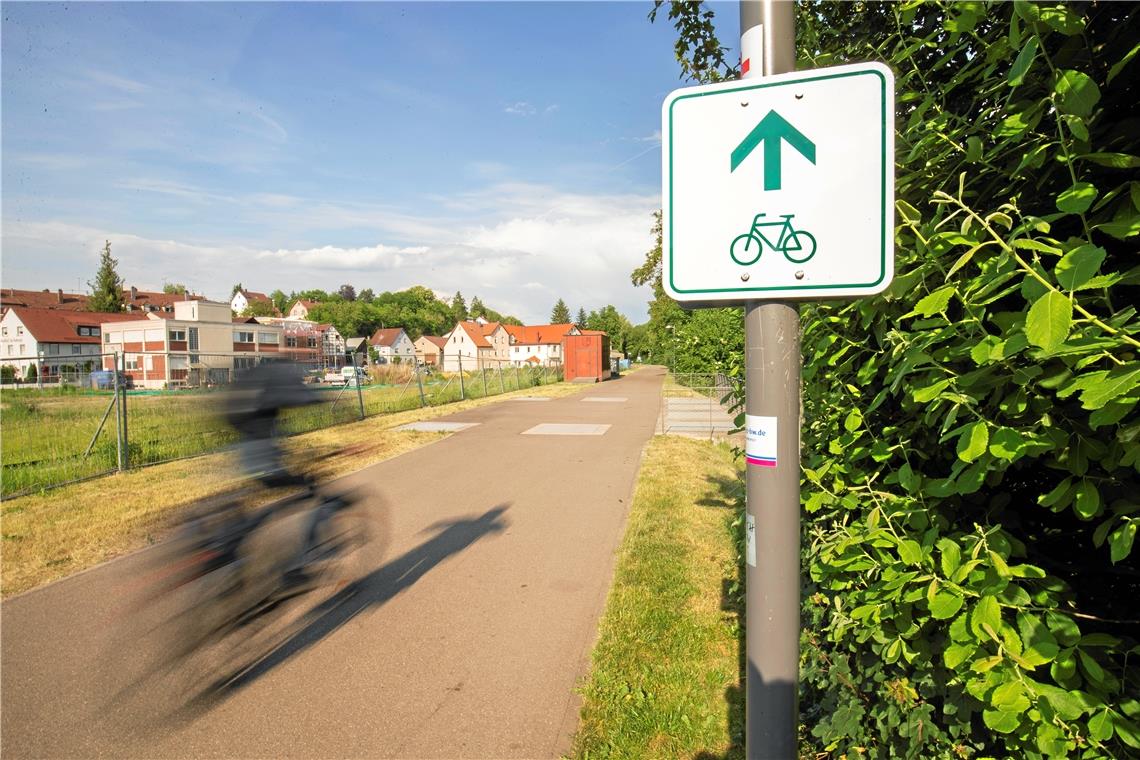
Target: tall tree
259,309
174,288
560,314
347,292
477,308
234,290
280,300
459,307
107,289
581,321
366,296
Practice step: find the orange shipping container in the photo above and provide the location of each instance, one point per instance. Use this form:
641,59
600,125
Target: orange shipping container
586,356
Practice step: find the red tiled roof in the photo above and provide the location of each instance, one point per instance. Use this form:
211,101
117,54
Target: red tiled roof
441,342
592,332
531,335
58,300
62,325
474,331
253,295
385,336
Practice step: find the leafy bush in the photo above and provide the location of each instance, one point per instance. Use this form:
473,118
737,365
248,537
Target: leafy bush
970,438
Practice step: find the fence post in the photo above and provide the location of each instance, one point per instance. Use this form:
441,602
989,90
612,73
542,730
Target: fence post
356,379
502,388
420,383
483,372
120,442
518,383
462,387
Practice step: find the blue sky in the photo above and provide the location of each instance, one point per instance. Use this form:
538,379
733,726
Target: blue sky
508,150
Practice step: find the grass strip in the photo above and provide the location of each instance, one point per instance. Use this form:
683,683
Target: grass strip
55,533
665,681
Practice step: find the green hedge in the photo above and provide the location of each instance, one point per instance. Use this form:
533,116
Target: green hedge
970,438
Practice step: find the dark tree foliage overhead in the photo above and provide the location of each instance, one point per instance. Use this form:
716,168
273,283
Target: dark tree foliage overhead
970,437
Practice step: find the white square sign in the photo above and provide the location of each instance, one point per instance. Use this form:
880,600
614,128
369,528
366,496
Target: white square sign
780,187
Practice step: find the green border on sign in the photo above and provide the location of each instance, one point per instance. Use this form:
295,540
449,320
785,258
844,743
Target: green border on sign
882,184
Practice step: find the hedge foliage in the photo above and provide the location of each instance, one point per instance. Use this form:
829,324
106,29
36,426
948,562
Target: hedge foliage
970,451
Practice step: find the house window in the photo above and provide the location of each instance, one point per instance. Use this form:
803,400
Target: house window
132,361
53,349
266,337
242,362
193,339
5,330
243,337
312,342
178,335
19,330
291,342
76,348
89,331
11,349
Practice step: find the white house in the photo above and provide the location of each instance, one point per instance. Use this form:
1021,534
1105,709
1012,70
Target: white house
243,298
300,309
392,344
538,345
53,339
475,345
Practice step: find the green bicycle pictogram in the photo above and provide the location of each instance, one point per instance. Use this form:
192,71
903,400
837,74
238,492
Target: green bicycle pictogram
797,245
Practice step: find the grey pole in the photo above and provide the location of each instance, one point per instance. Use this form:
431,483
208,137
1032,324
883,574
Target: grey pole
462,389
772,363
356,381
118,413
420,383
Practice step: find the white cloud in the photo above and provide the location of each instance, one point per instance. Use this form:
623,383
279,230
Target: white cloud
521,108
535,245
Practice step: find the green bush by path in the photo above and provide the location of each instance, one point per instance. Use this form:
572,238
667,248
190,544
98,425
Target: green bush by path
970,438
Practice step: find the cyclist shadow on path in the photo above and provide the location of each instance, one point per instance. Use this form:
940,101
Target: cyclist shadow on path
373,591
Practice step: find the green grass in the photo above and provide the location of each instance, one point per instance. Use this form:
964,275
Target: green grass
46,432
665,681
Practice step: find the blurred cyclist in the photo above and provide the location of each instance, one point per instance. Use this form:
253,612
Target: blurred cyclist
253,407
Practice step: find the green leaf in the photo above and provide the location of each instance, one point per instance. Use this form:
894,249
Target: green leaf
1022,63
922,395
1007,443
1077,199
1121,229
1059,497
973,441
1105,388
951,556
1030,244
1100,725
908,479
1079,265
1087,501
945,605
1002,721
1120,542
956,654
910,552
1119,65
1065,703
1112,160
1049,321
1076,93
1063,627
987,613
853,421
1010,697
1091,668
1062,19
934,303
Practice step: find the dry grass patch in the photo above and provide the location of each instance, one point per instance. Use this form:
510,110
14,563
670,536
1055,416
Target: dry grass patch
53,534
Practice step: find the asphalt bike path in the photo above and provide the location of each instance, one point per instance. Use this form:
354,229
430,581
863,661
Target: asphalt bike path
466,638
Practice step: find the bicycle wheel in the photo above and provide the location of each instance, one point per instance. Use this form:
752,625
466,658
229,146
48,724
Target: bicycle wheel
806,246
745,254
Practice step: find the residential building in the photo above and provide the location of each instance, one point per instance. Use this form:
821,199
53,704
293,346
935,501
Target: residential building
133,299
539,345
429,348
55,340
300,309
199,344
308,342
392,344
475,345
243,298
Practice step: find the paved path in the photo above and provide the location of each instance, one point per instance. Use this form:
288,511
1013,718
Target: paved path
466,640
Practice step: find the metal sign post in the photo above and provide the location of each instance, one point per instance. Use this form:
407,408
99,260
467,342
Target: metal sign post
772,408
776,189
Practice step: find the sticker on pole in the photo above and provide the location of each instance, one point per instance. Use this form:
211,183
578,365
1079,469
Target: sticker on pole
780,187
760,440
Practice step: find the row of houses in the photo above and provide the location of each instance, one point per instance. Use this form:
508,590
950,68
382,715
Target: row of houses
198,342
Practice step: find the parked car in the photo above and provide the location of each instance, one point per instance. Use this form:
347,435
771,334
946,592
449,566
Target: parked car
104,380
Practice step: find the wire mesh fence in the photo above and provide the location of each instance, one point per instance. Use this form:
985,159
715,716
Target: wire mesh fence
700,404
73,422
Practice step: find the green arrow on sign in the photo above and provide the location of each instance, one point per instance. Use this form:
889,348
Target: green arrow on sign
771,130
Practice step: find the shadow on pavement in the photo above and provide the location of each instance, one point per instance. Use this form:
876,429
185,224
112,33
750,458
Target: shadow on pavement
373,591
